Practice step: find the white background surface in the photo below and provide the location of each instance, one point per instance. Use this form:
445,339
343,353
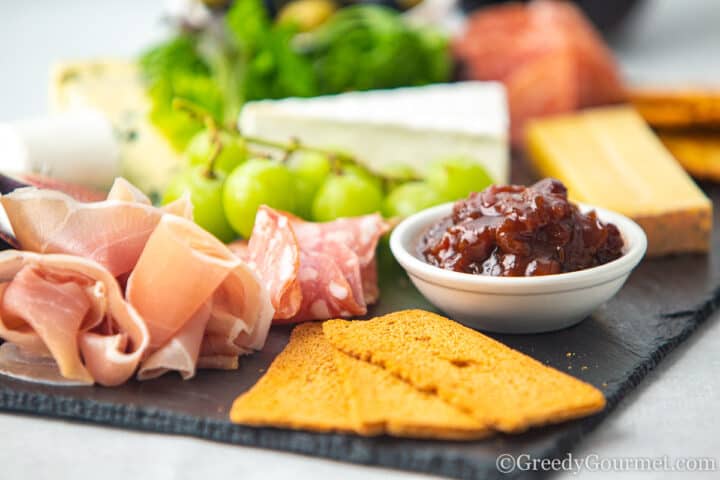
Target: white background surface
675,412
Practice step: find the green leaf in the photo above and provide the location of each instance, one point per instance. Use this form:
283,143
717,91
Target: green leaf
179,55
273,69
248,23
179,127
367,46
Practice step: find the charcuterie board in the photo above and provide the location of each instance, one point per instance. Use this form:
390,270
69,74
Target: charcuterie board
662,304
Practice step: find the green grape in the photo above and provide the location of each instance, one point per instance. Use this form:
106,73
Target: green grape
410,198
398,172
359,171
456,177
346,196
206,197
233,153
254,183
309,172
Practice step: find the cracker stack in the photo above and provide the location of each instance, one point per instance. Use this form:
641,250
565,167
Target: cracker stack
688,123
410,374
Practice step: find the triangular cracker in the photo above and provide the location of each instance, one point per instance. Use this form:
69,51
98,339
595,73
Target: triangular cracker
495,384
302,389
312,386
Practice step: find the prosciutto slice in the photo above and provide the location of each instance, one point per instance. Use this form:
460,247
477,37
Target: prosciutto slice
78,192
48,221
198,304
71,309
187,282
315,271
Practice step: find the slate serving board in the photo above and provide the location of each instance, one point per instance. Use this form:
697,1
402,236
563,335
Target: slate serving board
662,304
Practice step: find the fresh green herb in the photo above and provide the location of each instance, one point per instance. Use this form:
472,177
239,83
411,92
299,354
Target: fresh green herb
370,46
178,56
177,69
273,69
250,57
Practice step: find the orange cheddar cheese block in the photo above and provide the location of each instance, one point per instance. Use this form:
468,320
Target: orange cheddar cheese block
610,158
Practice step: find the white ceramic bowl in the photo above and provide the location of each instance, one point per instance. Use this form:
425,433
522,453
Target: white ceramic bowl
516,304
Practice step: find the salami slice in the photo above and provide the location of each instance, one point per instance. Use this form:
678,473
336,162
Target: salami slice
348,264
315,271
325,291
360,234
369,276
273,252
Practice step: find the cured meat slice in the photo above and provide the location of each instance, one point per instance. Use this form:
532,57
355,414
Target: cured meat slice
325,291
55,310
360,234
240,248
124,191
71,309
241,309
369,276
315,271
274,253
181,269
348,264
547,54
182,351
112,232
83,194
230,331
197,303
178,271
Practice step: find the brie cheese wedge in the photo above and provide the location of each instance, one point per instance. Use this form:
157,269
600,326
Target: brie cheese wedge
397,129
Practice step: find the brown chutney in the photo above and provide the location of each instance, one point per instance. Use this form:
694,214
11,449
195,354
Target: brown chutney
515,231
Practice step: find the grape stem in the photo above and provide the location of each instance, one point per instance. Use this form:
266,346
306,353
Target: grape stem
198,112
217,147
294,145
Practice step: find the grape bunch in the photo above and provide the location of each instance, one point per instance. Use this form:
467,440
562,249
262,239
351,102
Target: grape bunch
227,182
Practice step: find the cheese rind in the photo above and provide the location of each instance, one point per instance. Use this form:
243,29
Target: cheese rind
389,130
610,158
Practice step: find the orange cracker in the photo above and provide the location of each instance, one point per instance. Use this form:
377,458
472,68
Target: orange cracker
495,384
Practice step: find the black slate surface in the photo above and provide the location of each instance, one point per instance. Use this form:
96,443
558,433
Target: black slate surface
662,304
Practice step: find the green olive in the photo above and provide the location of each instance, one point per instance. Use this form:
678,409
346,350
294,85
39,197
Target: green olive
307,14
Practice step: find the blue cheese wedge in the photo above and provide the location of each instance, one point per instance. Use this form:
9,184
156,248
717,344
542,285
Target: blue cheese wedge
398,129
114,87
